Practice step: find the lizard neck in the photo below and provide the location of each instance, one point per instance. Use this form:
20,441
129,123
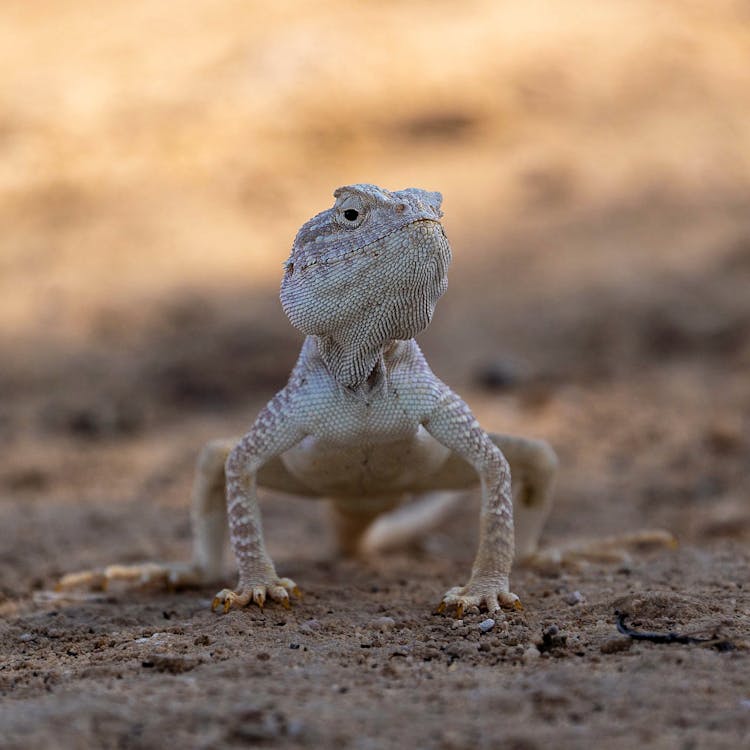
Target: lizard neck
355,363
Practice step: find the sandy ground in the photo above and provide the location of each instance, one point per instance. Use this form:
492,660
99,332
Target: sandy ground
153,171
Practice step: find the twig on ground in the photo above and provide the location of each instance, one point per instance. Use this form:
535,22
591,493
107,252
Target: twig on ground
671,637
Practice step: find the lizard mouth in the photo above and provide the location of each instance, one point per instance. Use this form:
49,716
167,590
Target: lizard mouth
393,282
371,250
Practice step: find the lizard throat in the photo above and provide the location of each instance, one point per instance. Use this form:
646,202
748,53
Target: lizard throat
352,365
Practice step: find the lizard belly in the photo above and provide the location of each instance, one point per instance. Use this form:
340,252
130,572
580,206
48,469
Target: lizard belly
362,469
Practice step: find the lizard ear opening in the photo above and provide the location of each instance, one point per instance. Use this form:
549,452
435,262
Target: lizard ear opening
425,199
435,200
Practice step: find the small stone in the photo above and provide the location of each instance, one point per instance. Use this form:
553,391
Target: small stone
531,653
573,598
26,637
486,625
456,624
295,728
308,626
552,640
615,645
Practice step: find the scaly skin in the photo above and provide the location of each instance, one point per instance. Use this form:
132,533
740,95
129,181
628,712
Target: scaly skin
362,421
365,423
362,413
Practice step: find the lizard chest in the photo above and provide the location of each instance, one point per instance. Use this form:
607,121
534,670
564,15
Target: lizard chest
344,418
360,468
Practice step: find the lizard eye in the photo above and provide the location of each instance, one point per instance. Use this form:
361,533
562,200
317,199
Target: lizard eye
351,212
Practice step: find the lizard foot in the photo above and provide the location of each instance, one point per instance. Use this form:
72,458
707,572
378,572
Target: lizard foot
277,589
145,574
479,594
611,549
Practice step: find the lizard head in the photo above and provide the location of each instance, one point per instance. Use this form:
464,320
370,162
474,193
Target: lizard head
370,269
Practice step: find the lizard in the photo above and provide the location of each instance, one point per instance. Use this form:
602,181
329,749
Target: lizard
363,421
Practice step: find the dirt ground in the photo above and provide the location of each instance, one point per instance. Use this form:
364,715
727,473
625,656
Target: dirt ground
594,161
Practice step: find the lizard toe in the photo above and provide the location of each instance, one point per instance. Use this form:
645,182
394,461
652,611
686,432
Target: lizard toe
277,590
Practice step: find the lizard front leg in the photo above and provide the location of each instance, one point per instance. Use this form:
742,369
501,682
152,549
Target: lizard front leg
453,424
274,432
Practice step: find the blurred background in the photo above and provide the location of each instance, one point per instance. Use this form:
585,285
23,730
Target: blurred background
156,161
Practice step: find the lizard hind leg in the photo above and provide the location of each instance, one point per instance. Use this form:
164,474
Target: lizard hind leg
209,523
407,523
533,465
352,520
208,517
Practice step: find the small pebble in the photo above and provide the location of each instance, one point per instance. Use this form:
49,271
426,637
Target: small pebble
552,639
486,625
26,637
531,653
574,597
308,626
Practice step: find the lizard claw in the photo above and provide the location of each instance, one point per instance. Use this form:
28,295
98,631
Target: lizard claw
259,596
277,590
478,594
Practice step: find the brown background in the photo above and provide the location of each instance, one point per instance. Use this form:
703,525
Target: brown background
156,160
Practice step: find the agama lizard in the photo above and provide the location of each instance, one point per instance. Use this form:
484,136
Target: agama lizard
363,421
